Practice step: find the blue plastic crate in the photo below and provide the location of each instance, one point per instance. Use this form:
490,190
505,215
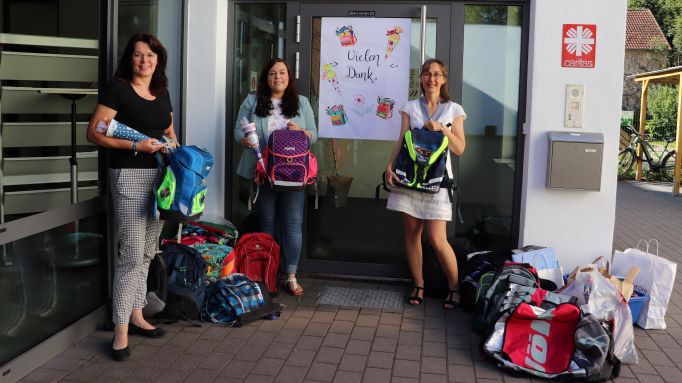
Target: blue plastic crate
636,303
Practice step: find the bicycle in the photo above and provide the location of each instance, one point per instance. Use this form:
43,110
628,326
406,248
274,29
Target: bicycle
663,164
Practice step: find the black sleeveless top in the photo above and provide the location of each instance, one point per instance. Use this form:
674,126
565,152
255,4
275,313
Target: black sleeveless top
150,117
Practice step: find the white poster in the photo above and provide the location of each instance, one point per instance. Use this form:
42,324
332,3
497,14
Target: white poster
364,68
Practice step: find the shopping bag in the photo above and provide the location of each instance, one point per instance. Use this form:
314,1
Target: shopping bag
626,285
545,262
598,296
656,278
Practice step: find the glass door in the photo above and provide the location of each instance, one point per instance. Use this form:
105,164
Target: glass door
351,232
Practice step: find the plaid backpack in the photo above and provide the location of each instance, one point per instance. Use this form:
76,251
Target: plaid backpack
289,163
236,300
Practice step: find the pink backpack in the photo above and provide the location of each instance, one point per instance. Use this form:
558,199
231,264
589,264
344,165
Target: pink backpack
289,163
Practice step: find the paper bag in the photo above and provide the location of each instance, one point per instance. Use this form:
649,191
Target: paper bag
626,285
656,278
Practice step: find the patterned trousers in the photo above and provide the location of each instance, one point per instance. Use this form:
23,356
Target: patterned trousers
138,235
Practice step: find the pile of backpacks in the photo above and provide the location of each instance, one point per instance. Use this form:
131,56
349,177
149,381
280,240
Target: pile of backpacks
531,322
207,272
211,274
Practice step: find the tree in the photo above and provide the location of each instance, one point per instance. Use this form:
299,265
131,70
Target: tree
668,14
662,110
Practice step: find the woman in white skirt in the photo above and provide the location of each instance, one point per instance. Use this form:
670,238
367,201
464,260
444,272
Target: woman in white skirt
433,111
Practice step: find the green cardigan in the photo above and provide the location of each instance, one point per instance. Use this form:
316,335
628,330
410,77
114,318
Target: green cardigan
247,162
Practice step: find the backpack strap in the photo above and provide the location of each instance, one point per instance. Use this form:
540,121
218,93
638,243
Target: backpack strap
440,109
382,184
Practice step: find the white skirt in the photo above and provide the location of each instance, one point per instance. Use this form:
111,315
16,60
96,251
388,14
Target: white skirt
421,205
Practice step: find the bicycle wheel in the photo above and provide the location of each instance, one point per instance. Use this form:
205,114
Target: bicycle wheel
668,167
626,158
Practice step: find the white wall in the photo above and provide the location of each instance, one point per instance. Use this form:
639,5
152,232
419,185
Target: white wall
204,84
579,224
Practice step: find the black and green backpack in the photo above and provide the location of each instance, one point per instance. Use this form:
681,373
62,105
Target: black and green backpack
421,162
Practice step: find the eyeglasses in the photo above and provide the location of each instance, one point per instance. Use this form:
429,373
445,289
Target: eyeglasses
435,76
137,56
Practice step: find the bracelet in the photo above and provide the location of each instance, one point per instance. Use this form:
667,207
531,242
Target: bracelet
135,147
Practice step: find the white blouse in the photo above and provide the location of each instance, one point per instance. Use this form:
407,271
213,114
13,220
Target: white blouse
277,120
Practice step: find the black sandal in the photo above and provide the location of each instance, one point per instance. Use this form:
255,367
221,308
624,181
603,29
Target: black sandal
416,298
449,302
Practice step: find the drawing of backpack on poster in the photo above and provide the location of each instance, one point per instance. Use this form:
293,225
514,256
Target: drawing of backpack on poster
385,107
346,36
337,115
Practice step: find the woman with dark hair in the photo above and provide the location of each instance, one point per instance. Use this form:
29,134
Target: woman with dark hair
434,111
137,97
277,105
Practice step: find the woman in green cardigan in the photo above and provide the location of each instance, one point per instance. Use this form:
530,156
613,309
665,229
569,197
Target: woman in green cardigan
277,105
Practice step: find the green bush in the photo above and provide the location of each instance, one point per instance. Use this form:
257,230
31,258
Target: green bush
661,111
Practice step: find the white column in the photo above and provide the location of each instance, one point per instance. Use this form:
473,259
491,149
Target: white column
204,89
579,224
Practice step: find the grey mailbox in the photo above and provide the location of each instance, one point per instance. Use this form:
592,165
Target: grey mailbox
575,160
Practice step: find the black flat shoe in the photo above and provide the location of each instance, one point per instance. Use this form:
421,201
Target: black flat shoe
154,333
119,355
415,299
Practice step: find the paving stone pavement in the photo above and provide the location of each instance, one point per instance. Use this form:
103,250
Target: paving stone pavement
326,343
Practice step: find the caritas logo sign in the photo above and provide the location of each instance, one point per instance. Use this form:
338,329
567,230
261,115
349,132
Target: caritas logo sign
579,44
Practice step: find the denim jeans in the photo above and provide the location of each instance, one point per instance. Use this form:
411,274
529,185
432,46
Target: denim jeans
280,214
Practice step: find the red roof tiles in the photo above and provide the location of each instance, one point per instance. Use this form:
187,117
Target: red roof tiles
643,32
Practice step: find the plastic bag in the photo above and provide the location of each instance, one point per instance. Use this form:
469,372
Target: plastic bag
598,296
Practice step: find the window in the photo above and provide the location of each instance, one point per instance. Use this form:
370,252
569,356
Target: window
490,97
164,20
39,106
53,274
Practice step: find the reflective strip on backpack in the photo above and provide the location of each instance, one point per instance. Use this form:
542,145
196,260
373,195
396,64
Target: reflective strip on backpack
436,154
198,201
166,191
410,145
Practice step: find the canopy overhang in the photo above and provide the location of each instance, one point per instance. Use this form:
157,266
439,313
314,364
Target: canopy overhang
669,76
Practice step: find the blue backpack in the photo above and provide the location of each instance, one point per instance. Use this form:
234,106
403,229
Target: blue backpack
181,192
186,290
236,300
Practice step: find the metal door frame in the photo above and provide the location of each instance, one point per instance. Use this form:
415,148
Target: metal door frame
450,24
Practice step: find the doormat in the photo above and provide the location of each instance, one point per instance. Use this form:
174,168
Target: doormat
361,297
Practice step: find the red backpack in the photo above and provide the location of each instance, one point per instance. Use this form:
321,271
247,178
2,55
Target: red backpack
547,335
257,257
